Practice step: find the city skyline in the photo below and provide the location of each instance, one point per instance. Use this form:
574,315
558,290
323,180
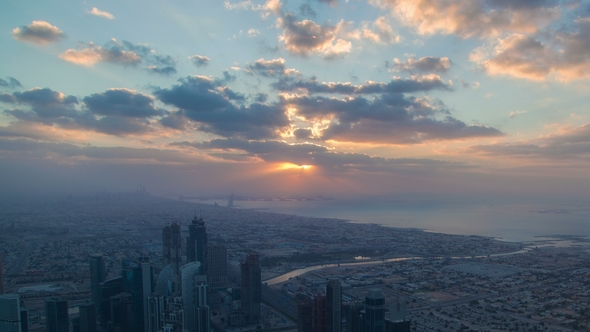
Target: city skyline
310,97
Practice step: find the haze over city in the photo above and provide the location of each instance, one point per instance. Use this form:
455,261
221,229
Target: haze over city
309,166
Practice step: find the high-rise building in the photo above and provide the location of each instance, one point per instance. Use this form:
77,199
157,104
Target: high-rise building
397,321
10,313
24,319
97,275
334,306
194,298
166,245
1,276
374,311
304,313
319,313
156,307
106,290
137,281
196,243
56,315
251,293
353,312
87,318
216,265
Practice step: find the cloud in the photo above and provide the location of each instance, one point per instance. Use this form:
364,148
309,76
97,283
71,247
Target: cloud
122,102
270,68
115,112
38,32
305,37
100,13
472,18
427,64
306,154
380,32
570,143
513,114
560,55
11,83
415,83
212,105
199,60
388,119
122,53
253,33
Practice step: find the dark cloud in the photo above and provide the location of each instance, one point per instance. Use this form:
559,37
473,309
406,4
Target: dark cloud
122,102
302,133
11,83
389,119
211,105
56,109
166,71
268,68
428,64
123,53
199,60
38,32
398,85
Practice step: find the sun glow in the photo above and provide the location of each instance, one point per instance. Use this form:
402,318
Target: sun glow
287,166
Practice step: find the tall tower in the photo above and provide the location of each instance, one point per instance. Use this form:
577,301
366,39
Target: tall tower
251,288
319,313
216,265
171,246
196,244
194,298
334,306
137,281
10,311
374,311
166,245
56,313
97,275
304,313
88,318
1,276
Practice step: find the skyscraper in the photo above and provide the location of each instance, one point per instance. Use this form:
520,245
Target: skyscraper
1,276
397,321
196,244
56,315
171,251
374,311
194,297
216,265
137,281
319,313
251,288
353,317
10,313
334,306
88,318
166,245
304,313
97,275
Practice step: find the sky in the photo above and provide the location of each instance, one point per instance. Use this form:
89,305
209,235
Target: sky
331,97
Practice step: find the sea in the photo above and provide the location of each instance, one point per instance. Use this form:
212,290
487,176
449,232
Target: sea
507,221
